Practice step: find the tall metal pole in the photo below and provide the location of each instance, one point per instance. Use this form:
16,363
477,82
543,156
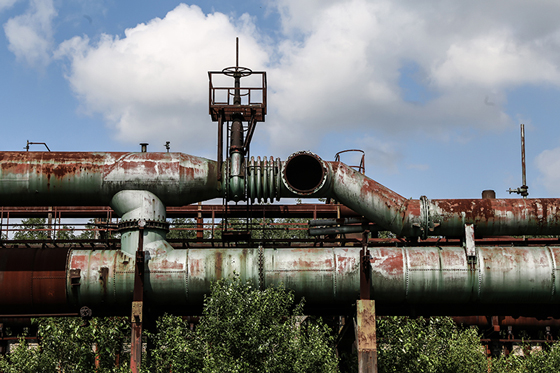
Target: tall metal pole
524,175
137,304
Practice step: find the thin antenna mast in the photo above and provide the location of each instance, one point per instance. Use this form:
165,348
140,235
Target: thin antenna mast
523,189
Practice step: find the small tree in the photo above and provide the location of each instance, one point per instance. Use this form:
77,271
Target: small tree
435,345
244,329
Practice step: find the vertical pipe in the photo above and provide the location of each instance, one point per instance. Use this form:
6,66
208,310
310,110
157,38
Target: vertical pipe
523,171
199,223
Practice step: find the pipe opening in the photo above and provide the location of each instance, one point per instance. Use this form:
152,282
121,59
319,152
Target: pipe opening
304,172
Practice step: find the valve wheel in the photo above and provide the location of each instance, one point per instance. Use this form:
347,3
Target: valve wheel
237,71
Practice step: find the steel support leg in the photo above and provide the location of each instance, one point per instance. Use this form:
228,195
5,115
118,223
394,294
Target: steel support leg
137,306
366,338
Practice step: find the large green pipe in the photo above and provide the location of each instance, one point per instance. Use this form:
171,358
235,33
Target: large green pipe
92,179
329,277
305,175
443,280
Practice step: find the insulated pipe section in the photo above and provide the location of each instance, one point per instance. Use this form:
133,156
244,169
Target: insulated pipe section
92,179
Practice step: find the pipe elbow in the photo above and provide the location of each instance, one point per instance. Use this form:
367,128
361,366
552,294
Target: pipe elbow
138,204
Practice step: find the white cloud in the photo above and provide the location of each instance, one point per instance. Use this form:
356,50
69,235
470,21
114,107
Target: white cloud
152,84
30,35
339,67
5,4
548,163
343,69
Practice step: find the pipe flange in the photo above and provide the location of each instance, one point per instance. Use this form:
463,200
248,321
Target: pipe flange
304,173
147,224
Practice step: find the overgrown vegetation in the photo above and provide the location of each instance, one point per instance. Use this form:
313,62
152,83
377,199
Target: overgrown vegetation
242,329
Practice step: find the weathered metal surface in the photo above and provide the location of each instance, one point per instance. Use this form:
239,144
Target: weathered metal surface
324,276
31,277
305,174
503,322
330,276
366,338
443,217
66,178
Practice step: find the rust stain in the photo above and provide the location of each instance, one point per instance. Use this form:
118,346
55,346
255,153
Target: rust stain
388,261
165,264
196,266
79,261
218,263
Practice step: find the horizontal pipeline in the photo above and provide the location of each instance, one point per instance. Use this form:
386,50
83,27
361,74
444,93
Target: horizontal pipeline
407,278
306,175
92,179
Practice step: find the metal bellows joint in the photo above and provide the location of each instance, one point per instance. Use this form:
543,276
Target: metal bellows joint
303,174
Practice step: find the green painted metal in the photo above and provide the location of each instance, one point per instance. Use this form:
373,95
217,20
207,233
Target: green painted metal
92,179
328,277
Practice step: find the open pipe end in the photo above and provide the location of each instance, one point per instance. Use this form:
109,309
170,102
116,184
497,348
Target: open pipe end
304,173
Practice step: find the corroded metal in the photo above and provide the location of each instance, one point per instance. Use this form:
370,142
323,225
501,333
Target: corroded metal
30,277
523,323
329,277
65,178
366,338
442,217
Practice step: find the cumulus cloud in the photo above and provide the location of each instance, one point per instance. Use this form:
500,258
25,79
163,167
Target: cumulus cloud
346,68
152,84
5,4
30,35
337,64
548,163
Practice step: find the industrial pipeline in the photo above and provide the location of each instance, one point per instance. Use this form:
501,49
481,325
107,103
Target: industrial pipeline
139,186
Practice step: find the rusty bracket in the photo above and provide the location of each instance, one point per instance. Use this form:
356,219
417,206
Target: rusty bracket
75,276
548,335
86,314
510,333
137,311
365,268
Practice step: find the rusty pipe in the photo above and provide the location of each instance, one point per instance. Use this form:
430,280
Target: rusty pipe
81,178
306,175
438,279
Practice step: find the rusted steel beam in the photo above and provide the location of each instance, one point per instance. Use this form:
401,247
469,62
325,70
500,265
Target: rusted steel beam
505,321
366,338
304,210
137,306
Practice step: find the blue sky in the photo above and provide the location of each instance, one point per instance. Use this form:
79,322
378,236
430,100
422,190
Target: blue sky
432,91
